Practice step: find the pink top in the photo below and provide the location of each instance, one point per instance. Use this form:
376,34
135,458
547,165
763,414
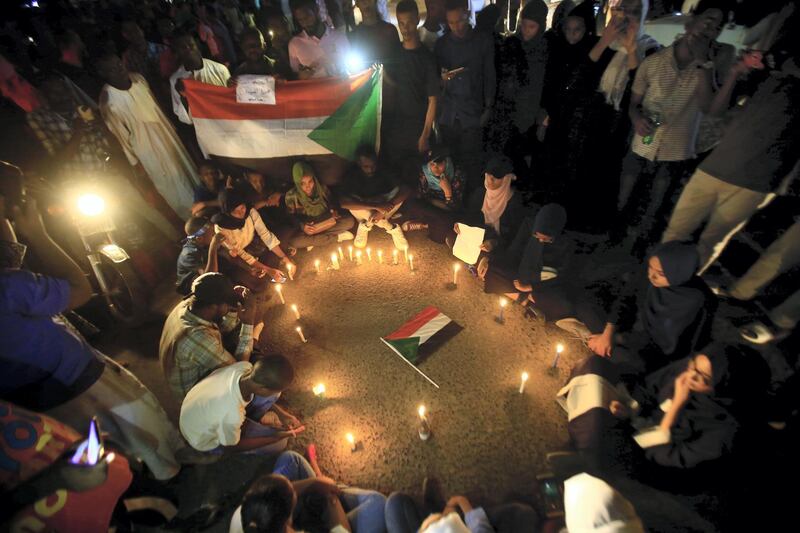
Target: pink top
325,55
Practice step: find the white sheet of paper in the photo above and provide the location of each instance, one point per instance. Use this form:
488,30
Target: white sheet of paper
252,89
653,436
468,243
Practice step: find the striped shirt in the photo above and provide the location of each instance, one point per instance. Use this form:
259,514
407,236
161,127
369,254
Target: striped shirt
670,98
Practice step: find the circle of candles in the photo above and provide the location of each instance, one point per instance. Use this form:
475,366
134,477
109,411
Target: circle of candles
358,257
523,382
296,311
350,252
380,257
559,349
280,293
335,261
411,263
394,256
503,303
299,331
369,254
316,265
456,268
352,441
319,390
341,254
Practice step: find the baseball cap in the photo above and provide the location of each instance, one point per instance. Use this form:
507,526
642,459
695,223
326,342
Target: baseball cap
214,288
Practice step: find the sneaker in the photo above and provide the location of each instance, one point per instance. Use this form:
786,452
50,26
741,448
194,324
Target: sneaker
361,236
398,238
575,327
345,236
760,333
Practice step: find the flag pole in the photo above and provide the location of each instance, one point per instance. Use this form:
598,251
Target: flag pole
421,373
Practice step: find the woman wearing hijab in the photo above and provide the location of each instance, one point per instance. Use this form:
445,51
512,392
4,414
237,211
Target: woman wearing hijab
496,207
621,48
674,306
315,212
244,251
687,409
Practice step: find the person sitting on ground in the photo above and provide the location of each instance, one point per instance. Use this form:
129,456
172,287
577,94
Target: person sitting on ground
266,196
439,196
206,195
495,207
687,409
373,198
317,51
234,408
323,507
403,515
199,253
675,306
256,60
191,343
317,220
243,255
591,504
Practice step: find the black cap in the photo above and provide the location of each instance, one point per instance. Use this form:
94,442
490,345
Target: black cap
438,153
214,288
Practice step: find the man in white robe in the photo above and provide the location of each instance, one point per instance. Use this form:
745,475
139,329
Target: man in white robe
149,140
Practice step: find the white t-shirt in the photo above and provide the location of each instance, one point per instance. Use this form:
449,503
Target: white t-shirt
212,73
236,240
212,413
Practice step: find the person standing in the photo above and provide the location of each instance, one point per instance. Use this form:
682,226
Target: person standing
317,51
435,25
147,137
374,38
194,66
466,61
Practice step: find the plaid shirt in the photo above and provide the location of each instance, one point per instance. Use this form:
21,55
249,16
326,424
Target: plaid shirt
200,351
54,130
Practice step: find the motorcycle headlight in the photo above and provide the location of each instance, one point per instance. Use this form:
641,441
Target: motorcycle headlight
91,205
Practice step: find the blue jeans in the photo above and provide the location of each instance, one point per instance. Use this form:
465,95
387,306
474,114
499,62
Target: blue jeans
365,510
402,515
252,427
293,466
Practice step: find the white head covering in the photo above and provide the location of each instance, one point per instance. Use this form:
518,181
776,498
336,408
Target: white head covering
451,523
615,77
495,202
592,506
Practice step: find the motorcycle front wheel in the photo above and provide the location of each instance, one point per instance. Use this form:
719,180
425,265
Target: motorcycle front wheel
126,297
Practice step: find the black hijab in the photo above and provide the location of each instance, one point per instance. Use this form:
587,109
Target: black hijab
229,200
550,221
670,311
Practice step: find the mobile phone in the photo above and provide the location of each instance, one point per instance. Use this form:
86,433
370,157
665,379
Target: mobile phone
91,450
551,494
456,71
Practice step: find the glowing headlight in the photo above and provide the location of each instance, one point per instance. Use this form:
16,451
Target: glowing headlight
91,205
355,62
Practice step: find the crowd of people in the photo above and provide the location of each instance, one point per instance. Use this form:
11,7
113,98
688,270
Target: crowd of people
539,132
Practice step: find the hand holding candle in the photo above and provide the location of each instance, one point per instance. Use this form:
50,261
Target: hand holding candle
524,380
296,311
280,293
299,331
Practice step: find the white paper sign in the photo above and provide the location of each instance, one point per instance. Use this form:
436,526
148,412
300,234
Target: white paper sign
252,89
468,243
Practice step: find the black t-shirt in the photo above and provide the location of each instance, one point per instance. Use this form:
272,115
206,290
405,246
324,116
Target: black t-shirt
411,78
358,185
761,144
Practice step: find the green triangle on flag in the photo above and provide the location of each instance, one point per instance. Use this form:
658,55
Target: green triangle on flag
357,121
408,348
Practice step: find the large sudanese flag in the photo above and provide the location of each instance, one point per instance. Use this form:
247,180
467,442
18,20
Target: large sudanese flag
310,117
421,336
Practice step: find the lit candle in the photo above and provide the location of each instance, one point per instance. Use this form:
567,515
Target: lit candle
394,256
369,254
411,263
352,441
406,252
300,332
380,257
456,268
319,390
358,257
280,293
559,349
316,265
290,271
424,427
341,254
524,381
503,303
335,261
296,311
350,251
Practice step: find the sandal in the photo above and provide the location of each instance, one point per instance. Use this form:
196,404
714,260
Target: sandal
413,225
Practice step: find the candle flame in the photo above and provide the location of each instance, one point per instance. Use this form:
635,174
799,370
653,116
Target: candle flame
277,288
421,411
525,376
350,438
559,348
456,267
333,257
294,307
503,302
318,389
297,329
410,257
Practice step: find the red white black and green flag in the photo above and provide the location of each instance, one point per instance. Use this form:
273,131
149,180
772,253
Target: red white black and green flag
421,336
